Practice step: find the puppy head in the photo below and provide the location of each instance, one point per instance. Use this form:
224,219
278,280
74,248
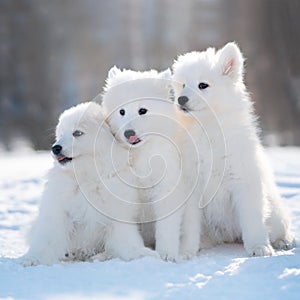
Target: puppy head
76,133
208,78
140,121
131,100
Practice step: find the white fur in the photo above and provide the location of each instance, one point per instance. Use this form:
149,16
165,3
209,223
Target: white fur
156,159
80,213
236,192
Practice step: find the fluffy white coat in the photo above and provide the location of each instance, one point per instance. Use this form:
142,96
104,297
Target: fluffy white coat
81,215
139,102
236,198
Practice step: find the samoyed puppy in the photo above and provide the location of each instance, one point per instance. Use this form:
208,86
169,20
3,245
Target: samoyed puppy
144,121
236,194
81,214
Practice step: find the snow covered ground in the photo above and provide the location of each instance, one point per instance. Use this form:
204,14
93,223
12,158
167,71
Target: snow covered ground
224,272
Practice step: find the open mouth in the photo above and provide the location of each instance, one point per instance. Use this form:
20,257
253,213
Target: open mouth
184,108
63,159
134,140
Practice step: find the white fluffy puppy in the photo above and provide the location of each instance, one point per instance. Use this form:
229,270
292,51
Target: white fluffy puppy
144,121
85,208
236,194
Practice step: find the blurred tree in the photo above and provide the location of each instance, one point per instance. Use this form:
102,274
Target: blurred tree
55,54
273,34
275,68
26,88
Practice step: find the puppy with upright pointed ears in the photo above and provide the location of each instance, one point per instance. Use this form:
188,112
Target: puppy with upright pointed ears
236,194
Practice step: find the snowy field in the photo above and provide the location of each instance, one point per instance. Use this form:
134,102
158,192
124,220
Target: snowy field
224,272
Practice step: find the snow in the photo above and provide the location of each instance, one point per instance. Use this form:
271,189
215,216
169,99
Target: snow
222,272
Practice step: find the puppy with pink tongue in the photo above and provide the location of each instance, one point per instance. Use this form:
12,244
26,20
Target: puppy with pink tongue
144,121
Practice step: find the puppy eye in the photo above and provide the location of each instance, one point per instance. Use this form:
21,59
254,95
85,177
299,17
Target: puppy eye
142,111
122,112
183,86
203,85
77,133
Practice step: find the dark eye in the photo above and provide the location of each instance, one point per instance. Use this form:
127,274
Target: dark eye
183,86
77,133
203,85
122,112
142,111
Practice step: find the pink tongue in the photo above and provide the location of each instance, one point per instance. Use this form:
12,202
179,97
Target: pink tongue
132,139
60,158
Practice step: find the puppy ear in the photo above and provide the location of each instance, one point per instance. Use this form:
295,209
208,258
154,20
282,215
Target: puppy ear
231,61
166,74
113,72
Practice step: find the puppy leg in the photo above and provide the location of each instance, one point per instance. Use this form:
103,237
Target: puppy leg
125,242
48,243
191,230
251,207
279,226
167,235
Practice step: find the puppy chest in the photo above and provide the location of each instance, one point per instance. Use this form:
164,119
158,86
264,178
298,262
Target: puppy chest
220,213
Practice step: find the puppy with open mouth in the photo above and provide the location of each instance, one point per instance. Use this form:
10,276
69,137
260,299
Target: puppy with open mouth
143,120
62,159
86,211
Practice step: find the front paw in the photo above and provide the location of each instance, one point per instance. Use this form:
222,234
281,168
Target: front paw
103,256
38,258
285,243
188,254
30,260
150,252
170,256
261,250
27,261
137,253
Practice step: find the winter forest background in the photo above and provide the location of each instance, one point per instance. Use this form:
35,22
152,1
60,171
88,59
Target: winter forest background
55,54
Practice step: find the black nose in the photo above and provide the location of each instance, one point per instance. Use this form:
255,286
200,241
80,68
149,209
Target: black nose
56,149
182,100
128,133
